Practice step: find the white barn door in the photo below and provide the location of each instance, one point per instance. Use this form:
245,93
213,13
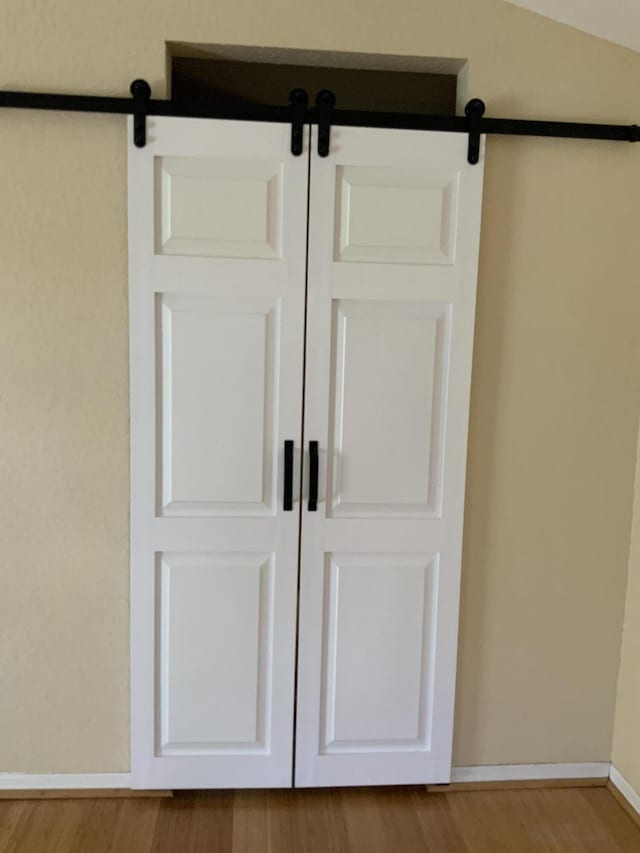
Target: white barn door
393,244
217,227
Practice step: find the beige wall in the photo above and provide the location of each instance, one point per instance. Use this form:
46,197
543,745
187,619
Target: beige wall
554,406
626,733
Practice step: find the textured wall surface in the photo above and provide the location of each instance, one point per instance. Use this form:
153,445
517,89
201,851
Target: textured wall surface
615,20
626,733
555,396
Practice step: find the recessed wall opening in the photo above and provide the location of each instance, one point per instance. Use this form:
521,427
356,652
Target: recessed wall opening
258,75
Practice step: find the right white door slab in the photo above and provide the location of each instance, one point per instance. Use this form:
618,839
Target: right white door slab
393,249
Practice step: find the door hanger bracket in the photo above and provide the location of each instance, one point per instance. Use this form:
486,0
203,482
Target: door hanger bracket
474,110
141,92
298,100
325,102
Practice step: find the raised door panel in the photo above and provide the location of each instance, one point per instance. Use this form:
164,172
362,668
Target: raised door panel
214,653
218,364
378,642
396,215
389,366
214,206
217,288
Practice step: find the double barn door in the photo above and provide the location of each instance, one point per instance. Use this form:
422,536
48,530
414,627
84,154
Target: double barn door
301,342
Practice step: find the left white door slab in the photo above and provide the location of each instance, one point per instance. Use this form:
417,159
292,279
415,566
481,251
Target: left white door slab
217,236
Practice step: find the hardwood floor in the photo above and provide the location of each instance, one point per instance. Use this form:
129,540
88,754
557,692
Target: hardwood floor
391,820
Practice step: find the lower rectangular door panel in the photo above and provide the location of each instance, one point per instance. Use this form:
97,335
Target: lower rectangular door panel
215,653
377,627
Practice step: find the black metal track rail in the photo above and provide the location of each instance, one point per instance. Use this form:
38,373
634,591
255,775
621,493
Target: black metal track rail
126,106
322,113
345,118
498,126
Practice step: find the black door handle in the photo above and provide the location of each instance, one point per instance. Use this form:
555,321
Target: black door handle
313,476
287,498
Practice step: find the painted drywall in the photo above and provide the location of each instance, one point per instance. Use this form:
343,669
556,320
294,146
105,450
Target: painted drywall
615,20
554,402
626,733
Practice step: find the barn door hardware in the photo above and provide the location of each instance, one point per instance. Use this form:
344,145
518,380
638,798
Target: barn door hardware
312,506
141,92
474,110
473,123
287,497
325,102
298,100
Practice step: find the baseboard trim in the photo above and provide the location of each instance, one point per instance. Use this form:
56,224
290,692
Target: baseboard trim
47,786
51,785
593,772
625,794
52,781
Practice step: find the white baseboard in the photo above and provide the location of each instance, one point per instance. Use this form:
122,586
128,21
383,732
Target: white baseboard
629,793
526,772
70,781
480,773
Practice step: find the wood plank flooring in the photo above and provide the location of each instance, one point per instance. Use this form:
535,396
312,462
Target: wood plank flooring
390,820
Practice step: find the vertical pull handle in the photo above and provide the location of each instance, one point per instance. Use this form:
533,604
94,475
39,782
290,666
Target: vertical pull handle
313,476
287,498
